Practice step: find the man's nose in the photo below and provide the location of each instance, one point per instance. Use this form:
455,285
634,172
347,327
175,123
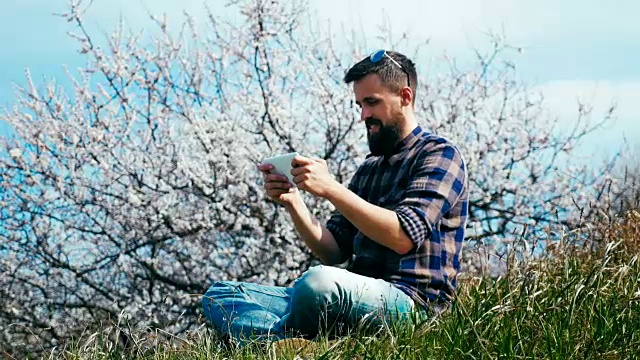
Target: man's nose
364,114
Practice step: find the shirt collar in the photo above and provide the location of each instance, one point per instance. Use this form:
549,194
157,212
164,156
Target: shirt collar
404,145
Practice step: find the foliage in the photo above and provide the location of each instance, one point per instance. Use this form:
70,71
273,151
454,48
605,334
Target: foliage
585,305
125,197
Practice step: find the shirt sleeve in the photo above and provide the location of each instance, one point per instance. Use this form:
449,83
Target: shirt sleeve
341,228
435,185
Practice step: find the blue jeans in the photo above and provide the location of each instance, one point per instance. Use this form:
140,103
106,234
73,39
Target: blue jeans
321,300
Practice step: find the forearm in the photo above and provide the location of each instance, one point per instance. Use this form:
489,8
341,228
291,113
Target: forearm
377,223
315,235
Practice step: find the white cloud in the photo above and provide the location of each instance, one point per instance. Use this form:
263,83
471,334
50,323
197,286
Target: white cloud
460,23
453,25
106,14
562,97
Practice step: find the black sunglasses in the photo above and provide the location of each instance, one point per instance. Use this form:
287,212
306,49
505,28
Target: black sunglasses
380,54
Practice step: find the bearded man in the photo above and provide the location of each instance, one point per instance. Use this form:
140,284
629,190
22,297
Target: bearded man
398,225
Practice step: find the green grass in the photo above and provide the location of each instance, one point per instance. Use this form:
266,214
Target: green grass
576,304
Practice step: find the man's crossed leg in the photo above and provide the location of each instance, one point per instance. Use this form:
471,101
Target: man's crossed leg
323,299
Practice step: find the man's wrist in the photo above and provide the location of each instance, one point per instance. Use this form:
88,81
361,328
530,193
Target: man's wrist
295,206
333,191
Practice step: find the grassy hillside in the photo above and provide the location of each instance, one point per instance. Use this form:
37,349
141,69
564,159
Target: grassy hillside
577,302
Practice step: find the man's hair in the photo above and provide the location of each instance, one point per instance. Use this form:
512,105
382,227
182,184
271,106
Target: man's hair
391,75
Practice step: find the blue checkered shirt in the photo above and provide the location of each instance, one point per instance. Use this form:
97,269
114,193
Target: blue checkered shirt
425,183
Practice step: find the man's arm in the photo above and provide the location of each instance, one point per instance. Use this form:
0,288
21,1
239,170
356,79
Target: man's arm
315,235
435,186
377,223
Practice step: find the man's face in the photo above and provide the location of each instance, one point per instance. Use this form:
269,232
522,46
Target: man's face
381,112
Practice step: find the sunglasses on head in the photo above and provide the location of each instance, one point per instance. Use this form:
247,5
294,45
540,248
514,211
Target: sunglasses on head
380,54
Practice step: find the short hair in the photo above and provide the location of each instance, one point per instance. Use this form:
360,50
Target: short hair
390,74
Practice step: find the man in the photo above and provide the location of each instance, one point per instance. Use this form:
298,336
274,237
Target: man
400,221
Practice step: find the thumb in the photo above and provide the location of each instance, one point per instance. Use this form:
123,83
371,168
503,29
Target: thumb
300,160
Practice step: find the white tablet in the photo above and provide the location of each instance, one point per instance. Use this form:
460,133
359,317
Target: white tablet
282,164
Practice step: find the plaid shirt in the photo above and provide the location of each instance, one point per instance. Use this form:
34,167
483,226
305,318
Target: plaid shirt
425,183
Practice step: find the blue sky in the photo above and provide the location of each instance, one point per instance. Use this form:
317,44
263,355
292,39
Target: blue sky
572,49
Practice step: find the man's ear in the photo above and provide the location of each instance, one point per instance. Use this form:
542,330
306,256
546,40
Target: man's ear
406,95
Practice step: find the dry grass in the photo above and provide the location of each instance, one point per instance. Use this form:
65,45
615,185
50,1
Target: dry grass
580,300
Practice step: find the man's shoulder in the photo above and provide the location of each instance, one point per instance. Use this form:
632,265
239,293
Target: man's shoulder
430,140
429,144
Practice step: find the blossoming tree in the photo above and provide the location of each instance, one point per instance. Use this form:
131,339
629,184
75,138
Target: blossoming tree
129,193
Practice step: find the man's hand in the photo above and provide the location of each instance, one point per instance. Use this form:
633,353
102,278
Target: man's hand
278,187
312,176
316,236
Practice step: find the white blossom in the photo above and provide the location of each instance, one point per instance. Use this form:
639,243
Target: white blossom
15,153
143,188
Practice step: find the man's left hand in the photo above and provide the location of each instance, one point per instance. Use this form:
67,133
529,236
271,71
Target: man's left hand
312,175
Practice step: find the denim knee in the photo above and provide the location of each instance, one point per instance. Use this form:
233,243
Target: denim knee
317,291
316,283
217,288
315,295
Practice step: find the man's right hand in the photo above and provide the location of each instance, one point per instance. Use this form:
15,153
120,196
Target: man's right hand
316,236
278,187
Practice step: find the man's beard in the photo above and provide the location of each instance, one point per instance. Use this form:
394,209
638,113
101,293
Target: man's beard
384,141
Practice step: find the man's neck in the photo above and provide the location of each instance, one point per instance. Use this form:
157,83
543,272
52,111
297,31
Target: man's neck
410,123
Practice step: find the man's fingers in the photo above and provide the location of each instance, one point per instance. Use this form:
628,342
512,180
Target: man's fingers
299,160
276,178
277,185
274,194
300,170
300,178
302,186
